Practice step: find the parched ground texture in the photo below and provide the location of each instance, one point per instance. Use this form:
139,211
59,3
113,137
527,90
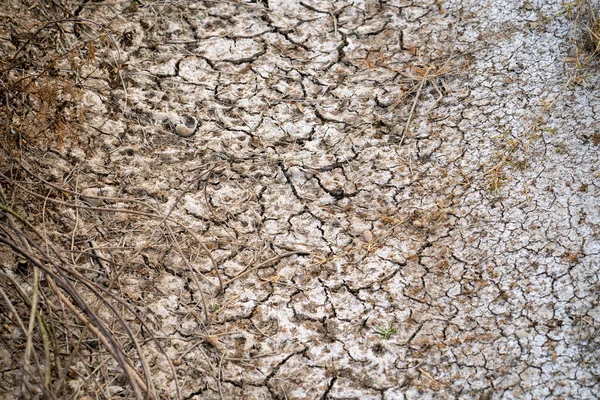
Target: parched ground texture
402,197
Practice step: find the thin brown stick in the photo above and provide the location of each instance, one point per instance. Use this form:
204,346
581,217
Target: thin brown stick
195,279
69,191
220,375
184,191
33,303
414,105
265,263
83,21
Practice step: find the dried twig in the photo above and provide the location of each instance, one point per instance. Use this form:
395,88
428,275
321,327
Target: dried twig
220,375
414,105
265,263
192,273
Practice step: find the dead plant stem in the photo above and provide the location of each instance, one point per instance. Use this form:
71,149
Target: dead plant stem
263,264
414,105
192,272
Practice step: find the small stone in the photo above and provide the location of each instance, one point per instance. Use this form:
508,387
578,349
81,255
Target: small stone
337,193
113,390
188,126
92,101
367,236
521,333
310,173
92,192
213,341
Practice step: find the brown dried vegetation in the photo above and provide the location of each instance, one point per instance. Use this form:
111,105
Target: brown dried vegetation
54,324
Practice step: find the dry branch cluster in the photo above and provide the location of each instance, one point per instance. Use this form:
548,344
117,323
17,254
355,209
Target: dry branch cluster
68,320
66,331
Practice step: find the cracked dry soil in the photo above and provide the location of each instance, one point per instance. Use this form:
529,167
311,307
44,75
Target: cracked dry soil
402,197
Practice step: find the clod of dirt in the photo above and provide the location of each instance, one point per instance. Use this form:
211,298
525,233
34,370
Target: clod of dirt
213,341
188,126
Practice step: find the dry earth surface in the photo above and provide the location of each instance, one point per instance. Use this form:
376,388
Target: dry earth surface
402,198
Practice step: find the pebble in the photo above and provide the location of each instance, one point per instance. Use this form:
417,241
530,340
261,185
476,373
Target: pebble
310,173
91,200
188,127
521,334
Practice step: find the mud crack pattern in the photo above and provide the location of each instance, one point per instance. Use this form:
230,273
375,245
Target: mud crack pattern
359,167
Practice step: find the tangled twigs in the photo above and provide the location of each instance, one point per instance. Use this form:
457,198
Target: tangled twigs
42,76
414,105
266,263
79,21
61,280
163,219
192,272
60,283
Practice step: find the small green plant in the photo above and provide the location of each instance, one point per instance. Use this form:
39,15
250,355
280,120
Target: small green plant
385,333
